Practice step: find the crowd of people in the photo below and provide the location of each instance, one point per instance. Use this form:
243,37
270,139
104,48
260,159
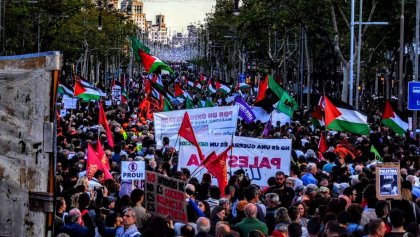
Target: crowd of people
328,194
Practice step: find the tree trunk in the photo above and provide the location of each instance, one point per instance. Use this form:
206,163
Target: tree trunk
346,77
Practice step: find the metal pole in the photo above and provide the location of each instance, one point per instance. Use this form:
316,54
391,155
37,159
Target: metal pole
359,46
416,61
351,54
401,62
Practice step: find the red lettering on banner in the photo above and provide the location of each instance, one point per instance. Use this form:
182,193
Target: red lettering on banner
193,160
232,161
172,213
255,165
168,202
276,162
243,161
265,163
256,162
174,194
151,177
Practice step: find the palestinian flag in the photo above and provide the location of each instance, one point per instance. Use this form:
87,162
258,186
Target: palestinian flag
152,64
86,91
189,104
225,89
138,46
270,92
209,103
318,117
166,104
179,92
202,79
340,116
158,89
394,119
378,156
210,86
243,86
63,90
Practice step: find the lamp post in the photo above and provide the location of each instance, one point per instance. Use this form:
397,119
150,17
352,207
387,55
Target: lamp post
388,57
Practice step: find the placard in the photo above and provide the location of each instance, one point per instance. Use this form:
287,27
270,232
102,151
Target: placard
69,102
132,170
164,196
388,181
116,92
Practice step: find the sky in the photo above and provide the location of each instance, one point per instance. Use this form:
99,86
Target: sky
178,13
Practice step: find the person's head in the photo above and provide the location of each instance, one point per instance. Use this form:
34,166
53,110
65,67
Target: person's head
61,205
282,215
294,230
256,233
129,217
332,229
206,178
218,212
203,225
376,227
251,210
225,203
396,217
137,196
311,168
222,228
272,200
290,182
99,175
251,193
294,213
343,218
280,178
314,226
204,206
351,193
74,215
187,231
302,209
230,191
215,192
382,209
355,211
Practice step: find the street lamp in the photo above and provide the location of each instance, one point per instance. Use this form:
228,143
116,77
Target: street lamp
236,11
388,56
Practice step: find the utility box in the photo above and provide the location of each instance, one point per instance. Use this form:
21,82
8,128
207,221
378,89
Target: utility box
27,142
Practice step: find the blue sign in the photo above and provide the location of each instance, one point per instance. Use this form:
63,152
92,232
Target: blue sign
241,78
414,95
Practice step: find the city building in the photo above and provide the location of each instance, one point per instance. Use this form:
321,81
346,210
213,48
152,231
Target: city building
159,32
134,9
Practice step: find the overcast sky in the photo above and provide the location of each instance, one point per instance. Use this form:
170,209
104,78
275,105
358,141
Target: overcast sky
178,13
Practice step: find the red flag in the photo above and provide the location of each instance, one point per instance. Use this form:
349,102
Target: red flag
101,154
178,90
262,88
104,123
186,131
217,166
93,164
322,146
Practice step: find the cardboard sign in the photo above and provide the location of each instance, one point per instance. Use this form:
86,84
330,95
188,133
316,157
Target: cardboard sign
116,92
164,196
388,181
132,170
69,102
259,158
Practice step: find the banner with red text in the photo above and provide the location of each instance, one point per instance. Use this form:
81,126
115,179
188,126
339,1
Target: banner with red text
164,196
259,158
207,121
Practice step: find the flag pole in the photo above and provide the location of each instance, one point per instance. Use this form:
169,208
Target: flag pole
231,154
177,138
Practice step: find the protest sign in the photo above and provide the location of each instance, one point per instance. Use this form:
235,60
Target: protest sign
388,181
164,196
259,158
207,121
69,102
132,170
116,92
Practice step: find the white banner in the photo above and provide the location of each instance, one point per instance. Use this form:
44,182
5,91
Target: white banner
259,158
206,121
133,170
69,102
